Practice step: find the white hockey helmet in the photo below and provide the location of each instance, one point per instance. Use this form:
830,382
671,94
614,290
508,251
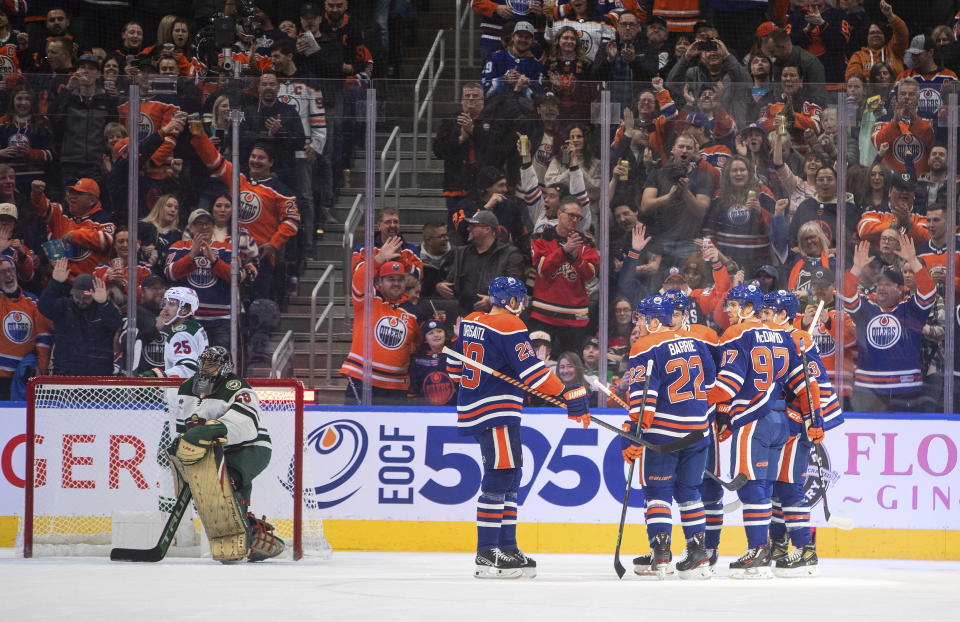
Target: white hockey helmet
183,296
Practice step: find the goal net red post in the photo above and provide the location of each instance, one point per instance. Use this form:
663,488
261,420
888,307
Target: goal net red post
98,477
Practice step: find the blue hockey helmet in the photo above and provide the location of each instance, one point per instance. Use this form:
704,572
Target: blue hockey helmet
503,288
747,293
782,300
681,302
659,307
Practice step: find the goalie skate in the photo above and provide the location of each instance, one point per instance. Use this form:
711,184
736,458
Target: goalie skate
263,544
203,469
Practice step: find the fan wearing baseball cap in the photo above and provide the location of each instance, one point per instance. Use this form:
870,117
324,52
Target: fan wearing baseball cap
395,332
88,228
514,68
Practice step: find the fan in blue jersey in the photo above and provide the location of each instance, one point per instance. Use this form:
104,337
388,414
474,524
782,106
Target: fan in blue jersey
488,409
791,512
681,372
757,362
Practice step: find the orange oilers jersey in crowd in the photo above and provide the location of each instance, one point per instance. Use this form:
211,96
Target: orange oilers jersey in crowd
9,62
25,330
270,216
499,341
905,140
153,116
92,237
680,15
682,372
873,223
395,338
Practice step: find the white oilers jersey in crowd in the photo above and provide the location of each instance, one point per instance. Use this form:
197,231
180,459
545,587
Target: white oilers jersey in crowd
308,103
184,344
233,402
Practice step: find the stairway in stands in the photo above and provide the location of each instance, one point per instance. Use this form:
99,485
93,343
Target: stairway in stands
419,203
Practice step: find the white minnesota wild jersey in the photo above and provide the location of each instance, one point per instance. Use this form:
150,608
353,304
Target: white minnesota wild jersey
184,344
234,403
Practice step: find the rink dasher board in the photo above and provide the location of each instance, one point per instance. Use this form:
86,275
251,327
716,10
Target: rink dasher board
411,464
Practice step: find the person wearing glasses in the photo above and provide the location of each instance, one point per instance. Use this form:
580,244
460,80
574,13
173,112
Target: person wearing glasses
564,260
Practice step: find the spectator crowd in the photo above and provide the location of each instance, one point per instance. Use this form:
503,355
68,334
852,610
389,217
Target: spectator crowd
291,71
735,122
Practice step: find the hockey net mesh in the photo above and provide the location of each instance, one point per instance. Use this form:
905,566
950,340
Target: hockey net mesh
102,476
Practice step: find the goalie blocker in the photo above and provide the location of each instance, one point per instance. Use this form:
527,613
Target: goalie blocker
221,449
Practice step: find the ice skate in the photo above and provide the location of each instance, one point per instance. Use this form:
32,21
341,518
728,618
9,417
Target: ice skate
754,564
527,563
695,564
495,564
802,562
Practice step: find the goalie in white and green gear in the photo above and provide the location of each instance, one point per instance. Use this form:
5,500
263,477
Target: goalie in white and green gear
216,403
184,337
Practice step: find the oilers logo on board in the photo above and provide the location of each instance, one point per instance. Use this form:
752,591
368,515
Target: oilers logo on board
249,206
883,331
333,453
390,332
17,327
203,276
907,145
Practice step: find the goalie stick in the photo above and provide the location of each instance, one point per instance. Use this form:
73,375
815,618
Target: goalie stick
617,565
836,521
735,484
672,446
166,536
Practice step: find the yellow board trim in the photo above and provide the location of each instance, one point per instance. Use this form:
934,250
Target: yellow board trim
459,537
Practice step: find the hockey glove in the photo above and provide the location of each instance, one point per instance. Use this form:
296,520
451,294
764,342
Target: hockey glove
578,403
156,372
815,434
631,451
723,421
204,434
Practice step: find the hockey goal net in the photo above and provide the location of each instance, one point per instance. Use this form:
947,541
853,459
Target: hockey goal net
98,476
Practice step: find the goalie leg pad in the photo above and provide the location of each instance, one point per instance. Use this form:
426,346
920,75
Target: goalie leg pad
263,544
223,521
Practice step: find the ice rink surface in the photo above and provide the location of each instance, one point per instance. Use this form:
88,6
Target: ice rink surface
440,587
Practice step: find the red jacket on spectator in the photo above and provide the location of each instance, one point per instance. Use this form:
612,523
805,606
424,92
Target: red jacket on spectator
559,291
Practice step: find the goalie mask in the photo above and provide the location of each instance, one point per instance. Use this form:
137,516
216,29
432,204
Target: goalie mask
214,363
183,296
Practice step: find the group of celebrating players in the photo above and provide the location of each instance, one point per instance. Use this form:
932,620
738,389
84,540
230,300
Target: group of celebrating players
761,385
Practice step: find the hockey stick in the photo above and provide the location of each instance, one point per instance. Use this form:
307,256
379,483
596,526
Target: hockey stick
736,483
676,445
836,521
617,565
166,536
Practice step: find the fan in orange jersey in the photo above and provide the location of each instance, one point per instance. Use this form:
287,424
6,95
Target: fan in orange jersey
395,332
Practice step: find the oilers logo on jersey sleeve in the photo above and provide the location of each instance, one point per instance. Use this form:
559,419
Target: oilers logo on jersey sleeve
884,331
17,327
250,207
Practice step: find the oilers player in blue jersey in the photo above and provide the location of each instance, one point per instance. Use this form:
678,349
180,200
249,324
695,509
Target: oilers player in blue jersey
681,370
488,409
791,513
756,363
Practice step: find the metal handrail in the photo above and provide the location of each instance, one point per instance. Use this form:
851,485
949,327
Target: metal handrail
465,13
394,175
419,107
281,357
316,322
350,224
